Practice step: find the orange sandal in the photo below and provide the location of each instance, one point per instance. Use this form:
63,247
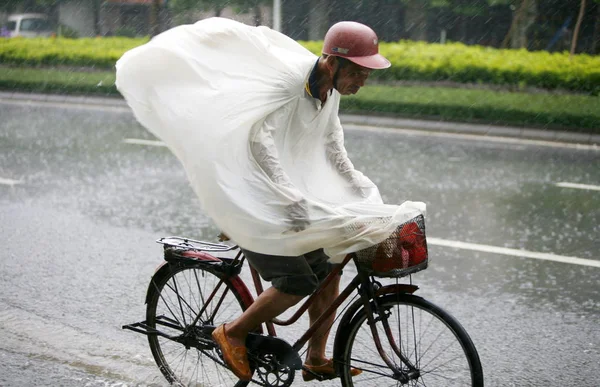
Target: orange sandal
326,370
235,357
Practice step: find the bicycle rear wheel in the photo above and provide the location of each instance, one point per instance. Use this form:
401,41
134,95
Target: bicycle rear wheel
431,339
175,297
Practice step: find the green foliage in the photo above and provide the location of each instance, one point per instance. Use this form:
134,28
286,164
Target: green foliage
414,61
457,62
90,52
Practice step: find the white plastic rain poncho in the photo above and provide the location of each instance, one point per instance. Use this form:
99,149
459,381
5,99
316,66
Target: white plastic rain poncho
264,158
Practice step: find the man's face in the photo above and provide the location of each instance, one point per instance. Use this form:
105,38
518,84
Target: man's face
351,77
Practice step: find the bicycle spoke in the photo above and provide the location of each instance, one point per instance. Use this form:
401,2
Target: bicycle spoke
441,353
181,301
433,342
417,357
173,305
200,291
442,365
190,290
172,314
368,363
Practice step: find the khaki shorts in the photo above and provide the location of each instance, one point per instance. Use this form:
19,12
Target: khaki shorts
299,276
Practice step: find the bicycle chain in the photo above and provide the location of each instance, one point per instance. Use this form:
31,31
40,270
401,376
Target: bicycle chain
270,361
258,380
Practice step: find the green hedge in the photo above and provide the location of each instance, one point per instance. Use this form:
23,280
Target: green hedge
457,62
87,52
411,61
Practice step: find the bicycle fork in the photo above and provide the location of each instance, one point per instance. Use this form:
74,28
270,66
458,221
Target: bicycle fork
376,313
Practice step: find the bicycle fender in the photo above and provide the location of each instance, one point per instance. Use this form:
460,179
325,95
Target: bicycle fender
160,271
395,289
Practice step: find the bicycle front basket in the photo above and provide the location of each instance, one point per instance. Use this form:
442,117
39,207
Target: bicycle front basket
404,252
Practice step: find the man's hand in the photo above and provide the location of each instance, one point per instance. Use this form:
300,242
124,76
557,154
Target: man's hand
297,215
361,191
361,186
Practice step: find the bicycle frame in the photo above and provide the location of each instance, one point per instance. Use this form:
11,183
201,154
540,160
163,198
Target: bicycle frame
368,297
198,253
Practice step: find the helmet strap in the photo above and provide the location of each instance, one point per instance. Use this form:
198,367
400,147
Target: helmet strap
342,62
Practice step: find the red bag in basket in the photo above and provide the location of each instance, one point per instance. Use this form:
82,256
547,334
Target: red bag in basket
410,250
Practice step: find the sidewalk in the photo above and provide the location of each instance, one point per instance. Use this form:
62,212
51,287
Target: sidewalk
384,122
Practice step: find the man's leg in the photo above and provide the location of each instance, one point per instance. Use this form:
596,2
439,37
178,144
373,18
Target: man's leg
292,280
316,360
231,337
316,345
270,304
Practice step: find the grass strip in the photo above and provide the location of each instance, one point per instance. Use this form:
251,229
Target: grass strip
65,81
544,110
561,111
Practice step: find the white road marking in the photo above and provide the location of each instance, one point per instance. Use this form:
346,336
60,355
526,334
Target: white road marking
564,184
476,137
10,182
139,141
513,252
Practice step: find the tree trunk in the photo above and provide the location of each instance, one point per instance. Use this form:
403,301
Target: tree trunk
154,18
415,20
463,29
577,27
257,15
318,19
523,18
596,34
53,12
96,11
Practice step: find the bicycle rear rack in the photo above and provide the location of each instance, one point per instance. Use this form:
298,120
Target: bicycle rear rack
191,244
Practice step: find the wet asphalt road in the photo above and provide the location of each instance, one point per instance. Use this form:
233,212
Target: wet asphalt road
79,228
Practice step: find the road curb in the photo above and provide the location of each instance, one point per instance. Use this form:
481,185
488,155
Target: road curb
478,129
378,121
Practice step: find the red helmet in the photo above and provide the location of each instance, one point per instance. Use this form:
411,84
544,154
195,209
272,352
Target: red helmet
356,42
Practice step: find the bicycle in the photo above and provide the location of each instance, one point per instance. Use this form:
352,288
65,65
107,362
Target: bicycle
393,336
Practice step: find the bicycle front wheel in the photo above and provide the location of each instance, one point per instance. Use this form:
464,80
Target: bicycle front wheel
433,342
176,296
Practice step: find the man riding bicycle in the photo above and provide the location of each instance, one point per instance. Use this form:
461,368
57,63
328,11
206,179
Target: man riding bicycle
350,53
253,117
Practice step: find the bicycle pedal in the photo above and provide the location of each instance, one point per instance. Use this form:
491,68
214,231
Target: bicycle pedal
308,375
